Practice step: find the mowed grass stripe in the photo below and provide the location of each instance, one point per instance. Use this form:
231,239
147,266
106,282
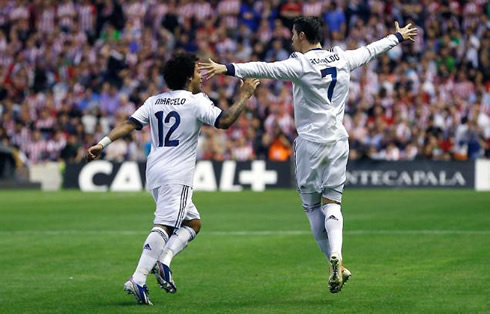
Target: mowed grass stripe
247,233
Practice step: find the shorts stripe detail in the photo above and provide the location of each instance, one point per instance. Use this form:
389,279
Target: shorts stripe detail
295,164
180,206
183,204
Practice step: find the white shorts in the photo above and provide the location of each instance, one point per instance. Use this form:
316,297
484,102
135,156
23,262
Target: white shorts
320,168
174,205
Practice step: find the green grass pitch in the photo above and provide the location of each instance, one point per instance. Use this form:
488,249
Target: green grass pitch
409,251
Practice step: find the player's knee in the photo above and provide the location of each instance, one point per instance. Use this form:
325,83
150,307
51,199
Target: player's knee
195,224
329,201
168,230
308,207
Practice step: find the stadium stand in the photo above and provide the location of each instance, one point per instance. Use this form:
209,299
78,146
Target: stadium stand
70,70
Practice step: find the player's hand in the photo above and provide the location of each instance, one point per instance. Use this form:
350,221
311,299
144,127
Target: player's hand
407,32
210,68
248,87
94,152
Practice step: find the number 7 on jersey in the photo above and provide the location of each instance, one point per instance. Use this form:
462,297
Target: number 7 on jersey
333,72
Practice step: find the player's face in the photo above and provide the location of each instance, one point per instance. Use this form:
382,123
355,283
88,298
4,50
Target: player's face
295,40
195,85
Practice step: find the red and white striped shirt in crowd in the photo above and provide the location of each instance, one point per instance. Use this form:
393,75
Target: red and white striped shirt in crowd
66,12
264,32
86,17
19,13
5,13
202,10
242,153
186,10
54,148
157,12
22,139
37,150
135,12
5,59
33,54
312,8
463,90
3,42
47,123
228,11
45,23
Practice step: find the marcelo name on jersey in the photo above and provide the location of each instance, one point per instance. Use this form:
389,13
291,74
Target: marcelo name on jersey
171,101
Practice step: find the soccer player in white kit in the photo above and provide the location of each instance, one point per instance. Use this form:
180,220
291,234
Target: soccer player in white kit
320,86
175,119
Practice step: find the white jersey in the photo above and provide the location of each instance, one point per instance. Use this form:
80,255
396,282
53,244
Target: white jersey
175,119
320,85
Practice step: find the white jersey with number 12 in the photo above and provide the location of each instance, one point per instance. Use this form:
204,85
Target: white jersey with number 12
175,119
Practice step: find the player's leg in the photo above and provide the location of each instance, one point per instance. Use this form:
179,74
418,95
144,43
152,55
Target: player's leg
334,225
334,178
179,240
152,248
306,157
169,205
177,243
312,207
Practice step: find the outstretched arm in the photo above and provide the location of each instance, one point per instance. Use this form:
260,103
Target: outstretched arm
119,131
228,117
363,55
286,70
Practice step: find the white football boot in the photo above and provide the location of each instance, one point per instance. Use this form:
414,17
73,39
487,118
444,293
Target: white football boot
141,293
336,280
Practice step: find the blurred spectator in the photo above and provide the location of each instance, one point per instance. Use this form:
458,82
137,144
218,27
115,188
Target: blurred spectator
71,69
280,147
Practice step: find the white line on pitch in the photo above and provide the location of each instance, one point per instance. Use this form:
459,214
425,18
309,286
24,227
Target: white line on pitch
250,233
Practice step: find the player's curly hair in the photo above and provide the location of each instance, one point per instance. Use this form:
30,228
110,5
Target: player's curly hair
311,26
178,69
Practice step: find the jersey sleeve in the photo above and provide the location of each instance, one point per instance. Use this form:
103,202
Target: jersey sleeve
286,70
207,112
141,117
358,57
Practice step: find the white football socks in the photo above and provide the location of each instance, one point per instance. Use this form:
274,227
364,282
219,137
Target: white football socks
177,242
334,223
152,249
317,224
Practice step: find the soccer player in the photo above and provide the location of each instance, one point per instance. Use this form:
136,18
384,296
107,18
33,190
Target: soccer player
175,119
320,80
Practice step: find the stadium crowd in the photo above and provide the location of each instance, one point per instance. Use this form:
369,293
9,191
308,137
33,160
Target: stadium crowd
69,70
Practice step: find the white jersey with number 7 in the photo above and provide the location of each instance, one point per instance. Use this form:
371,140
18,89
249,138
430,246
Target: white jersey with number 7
320,85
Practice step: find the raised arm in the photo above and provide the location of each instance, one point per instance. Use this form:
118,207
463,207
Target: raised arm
363,55
229,116
118,132
286,70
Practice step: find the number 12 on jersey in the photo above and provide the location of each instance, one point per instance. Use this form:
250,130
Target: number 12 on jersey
168,141
333,72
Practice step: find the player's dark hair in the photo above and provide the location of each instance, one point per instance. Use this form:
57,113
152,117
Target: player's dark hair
179,69
311,26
